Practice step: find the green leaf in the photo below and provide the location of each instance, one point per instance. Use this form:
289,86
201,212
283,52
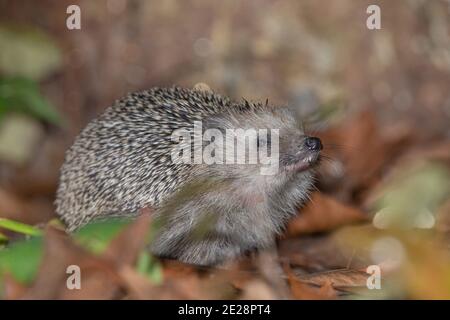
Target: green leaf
21,94
21,259
149,267
3,238
19,227
97,235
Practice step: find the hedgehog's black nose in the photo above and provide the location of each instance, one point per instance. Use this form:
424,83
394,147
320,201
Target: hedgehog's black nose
313,143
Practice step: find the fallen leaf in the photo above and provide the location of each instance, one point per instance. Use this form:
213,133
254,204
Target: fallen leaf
258,290
12,289
125,248
177,269
98,280
339,278
304,291
323,213
24,210
363,148
320,253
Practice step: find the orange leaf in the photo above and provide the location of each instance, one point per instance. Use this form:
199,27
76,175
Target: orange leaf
323,213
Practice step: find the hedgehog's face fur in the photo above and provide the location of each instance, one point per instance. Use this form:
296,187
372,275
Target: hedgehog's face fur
286,150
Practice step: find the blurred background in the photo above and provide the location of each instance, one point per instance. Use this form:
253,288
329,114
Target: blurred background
379,99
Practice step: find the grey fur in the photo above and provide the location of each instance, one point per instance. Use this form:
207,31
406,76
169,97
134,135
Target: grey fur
120,163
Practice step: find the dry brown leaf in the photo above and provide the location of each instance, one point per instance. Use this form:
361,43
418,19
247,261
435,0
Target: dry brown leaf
443,218
367,151
125,248
364,149
323,213
121,253
30,211
328,290
139,287
98,279
96,284
270,269
12,289
304,291
240,272
187,287
339,278
258,290
439,151
177,269
320,253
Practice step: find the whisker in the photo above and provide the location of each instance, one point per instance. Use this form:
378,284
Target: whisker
341,147
328,159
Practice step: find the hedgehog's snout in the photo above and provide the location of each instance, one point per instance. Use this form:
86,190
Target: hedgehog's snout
302,155
310,149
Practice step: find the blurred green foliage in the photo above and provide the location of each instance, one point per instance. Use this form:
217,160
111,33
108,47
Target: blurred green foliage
27,55
96,236
413,194
19,227
27,52
22,258
22,95
407,206
149,266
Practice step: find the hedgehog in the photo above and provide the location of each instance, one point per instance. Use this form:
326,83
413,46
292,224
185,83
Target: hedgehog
208,212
